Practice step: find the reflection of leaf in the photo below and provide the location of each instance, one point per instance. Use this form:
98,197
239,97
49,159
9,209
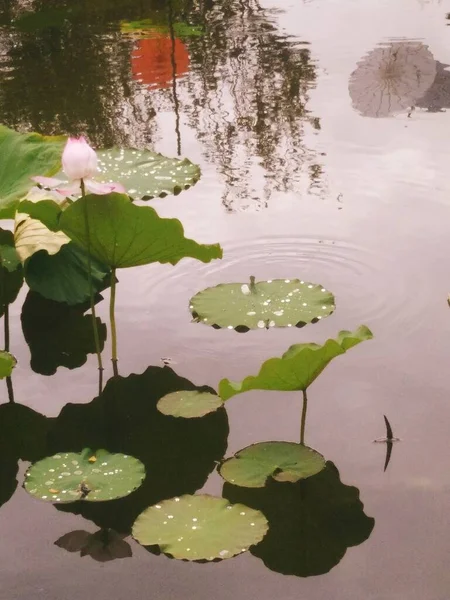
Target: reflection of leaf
274,303
93,476
8,481
146,174
58,335
103,546
63,276
123,234
178,454
23,432
23,156
311,522
189,404
200,527
283,461
298,367
11,274
150,27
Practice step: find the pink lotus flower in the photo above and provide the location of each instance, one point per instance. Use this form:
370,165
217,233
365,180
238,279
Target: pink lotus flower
79,162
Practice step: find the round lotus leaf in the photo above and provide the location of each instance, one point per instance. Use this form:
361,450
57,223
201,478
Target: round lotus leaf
262,304
7,363
145,174
189,404
283,461
200,527
91,476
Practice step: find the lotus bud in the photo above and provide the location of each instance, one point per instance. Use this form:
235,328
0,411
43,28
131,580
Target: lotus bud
79,160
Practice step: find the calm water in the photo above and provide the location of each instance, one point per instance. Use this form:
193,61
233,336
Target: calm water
299,180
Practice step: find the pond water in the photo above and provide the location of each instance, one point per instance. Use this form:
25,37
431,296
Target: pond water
318,162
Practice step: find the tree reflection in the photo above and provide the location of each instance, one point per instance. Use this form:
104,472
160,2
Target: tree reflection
248,93
66,68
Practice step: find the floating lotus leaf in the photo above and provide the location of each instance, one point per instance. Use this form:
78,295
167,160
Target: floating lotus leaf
282,461
123,234
262,304
297,368
11,274
91,476
23,156
311,522
7,364
189,404
200,527
145,174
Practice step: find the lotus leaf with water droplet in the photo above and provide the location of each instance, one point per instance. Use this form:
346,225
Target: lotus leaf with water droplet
92,476
262,304
189,404
283,461
200,527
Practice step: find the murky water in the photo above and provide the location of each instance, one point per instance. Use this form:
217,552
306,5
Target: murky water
300,179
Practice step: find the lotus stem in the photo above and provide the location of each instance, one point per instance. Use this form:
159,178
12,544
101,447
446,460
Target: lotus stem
302,428
9,385
91,294
252,284
112,318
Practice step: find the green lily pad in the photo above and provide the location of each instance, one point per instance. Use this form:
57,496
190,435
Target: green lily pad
24,156
123,234
311,522
262,304
90,476
146,175
7,364
282,461
189,404
63,276
200,527
298,367
11,273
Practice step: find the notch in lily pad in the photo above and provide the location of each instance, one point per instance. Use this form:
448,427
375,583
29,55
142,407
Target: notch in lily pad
262,304
189,404
92,476
200,527
282,461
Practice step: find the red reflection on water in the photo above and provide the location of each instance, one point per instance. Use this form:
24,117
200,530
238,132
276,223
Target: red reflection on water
151,61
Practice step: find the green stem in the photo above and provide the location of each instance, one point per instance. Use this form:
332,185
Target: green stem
112,319
91,294
9,385
302,428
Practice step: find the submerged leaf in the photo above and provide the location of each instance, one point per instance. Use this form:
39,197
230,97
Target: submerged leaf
189,404
22,157
7,364
262,304
122,234
200,527
298,367
282,461
146,174
70,476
